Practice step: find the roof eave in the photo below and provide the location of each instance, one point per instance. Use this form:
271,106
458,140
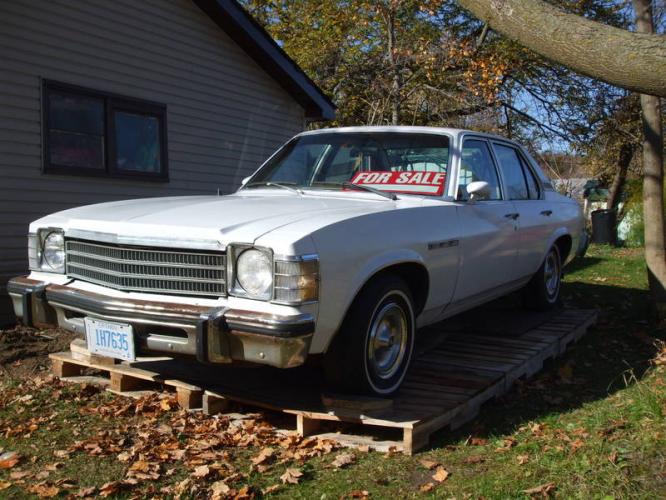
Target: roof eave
260,46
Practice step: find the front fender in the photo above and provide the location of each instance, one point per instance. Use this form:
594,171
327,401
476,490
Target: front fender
340,299
378,263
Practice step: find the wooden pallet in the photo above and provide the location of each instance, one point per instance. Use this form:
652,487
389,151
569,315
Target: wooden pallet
459,366
127,379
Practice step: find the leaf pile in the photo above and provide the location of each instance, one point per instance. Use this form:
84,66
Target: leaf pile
154,439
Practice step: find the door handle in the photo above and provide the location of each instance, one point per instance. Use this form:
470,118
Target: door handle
513,216
547,213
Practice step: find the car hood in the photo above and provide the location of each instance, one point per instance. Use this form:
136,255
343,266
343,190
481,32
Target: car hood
203,221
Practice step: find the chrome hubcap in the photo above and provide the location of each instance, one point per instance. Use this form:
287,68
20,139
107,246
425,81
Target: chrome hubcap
387,345
552,274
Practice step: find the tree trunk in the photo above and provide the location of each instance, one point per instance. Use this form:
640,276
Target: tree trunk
395,71
635,61
653,178
623,160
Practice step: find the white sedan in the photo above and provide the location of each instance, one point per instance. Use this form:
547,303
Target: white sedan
338,247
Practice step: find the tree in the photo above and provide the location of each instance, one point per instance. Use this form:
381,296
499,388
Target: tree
390,61
653,174
635,61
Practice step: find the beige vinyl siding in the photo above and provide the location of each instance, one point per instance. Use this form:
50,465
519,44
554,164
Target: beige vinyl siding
225,114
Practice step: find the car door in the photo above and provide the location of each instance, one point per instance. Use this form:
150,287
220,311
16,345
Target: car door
487,226
534,215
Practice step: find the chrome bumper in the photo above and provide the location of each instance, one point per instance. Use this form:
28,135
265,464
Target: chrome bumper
219,335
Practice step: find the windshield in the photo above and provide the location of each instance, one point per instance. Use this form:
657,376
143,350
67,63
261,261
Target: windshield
389,161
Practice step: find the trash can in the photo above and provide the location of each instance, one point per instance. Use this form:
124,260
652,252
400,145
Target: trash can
603,227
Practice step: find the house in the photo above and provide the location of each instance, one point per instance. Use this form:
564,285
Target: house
103,101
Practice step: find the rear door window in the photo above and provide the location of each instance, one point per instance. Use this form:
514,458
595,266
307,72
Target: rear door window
512,171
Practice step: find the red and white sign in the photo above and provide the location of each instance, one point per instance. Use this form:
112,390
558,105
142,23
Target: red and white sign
427,183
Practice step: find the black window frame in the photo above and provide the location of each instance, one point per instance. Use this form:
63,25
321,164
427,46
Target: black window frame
112,102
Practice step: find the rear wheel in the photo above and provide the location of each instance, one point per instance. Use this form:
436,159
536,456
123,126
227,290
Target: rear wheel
543,290
373,348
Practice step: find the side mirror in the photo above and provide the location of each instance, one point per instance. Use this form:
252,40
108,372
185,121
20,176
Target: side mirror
478,190
244,181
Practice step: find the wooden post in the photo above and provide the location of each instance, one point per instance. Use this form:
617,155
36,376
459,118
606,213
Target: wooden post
307,426
188,399
213,404
62,369
414,439
123,383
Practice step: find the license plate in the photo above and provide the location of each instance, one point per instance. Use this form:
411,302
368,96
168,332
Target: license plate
107,338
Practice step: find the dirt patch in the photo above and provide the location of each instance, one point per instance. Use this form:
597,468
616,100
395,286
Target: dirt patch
24,351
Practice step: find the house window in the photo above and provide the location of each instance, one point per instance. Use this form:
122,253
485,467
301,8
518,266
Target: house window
94,133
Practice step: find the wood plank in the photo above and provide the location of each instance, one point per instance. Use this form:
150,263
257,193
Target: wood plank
62,368
213,404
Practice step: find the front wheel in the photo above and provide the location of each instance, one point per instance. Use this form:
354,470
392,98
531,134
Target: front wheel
543,290
373,348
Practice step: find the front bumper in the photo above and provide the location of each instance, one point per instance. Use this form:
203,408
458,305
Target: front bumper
217,335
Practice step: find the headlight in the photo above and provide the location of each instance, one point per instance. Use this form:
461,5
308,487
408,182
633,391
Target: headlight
256,273
46,251
53,252
253,276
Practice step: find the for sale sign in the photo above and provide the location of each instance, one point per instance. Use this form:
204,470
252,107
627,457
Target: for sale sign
427,183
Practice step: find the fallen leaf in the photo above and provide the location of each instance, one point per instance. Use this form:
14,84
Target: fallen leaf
523,459
19,474
85,492
43,490
343,460
364,494
577,443
545,490
474,459
219,489
108,489
440,475
165,404
613,457
271,489
507,444
478,441
55,466
4,485
9,459
291,476
201,472
425,488
565,372
265,455
429,464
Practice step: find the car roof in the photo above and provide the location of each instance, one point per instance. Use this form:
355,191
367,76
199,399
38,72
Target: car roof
403,129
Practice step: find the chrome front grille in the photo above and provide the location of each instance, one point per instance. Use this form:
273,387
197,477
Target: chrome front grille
176,272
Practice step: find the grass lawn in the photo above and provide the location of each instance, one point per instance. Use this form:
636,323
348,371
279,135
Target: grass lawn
591,425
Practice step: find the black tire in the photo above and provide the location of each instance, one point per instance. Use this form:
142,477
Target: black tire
384,307
542,293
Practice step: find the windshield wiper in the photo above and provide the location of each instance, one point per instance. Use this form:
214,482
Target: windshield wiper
362,187
276,184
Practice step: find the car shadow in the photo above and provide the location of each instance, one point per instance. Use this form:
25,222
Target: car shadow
621,344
